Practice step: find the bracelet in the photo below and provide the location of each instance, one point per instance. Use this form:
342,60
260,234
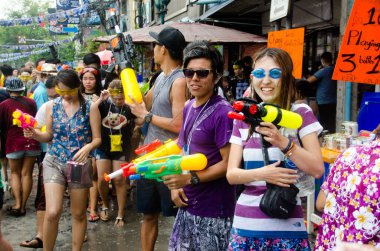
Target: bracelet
290,151
287,147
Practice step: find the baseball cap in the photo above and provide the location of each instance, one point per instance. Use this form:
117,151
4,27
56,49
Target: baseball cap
14,84
171,37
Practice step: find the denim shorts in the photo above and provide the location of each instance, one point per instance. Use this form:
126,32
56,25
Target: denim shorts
24,153
56,172
99,154
154,197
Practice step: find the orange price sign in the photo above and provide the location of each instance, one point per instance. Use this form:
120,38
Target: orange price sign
359,54
292,42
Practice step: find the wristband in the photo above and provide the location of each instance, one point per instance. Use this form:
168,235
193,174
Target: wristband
290,151
287,148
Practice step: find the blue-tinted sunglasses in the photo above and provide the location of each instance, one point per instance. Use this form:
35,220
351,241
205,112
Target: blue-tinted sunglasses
274,73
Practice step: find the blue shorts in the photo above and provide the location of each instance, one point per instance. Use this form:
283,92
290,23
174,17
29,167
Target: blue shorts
25,153
99,154
154,197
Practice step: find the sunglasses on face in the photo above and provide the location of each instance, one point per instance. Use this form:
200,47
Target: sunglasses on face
203,73
25,78
70,92
115,91
274,73
92,70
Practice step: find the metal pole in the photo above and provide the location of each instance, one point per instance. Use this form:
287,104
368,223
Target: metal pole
289,17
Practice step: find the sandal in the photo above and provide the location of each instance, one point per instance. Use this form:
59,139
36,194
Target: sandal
16,212
120,222
93,218
104,214
36,242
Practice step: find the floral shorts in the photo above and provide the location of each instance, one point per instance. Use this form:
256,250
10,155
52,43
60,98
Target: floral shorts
191,232
239,243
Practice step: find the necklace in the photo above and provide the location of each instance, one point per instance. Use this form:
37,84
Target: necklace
190,135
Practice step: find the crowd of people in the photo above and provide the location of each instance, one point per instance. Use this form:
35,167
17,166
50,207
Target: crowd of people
85,129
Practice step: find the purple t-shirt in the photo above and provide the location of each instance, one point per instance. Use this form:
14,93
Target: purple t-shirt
215,198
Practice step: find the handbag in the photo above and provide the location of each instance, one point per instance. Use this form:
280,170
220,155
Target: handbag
279,202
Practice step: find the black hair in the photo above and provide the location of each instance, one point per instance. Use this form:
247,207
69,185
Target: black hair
304,88
239,63
71,79
50,82
7,70
91,58
248,60
53,61
39,60
327,57
203,49
108,79
176,55
98,81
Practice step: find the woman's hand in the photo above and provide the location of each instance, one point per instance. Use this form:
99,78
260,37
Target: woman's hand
82,155
104,95
179,197
176,181
272,135
30,133
278,175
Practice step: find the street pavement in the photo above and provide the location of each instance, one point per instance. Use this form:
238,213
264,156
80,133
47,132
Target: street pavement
101,235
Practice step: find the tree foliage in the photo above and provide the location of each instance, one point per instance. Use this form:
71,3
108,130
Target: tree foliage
28,8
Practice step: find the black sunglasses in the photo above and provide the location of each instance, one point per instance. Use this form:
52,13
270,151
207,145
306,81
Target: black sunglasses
203,73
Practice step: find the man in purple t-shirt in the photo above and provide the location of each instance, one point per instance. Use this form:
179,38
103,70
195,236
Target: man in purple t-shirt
205,198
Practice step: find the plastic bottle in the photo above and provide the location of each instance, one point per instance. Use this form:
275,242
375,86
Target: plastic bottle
305,183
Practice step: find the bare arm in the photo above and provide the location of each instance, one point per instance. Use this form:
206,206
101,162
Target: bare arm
36,134
307,158
271,173
312,79
178,99
321,201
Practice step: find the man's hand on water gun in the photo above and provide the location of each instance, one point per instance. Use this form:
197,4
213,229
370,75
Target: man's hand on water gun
179,197
137,109
176,181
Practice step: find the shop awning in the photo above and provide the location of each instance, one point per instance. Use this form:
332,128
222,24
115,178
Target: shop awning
194,31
